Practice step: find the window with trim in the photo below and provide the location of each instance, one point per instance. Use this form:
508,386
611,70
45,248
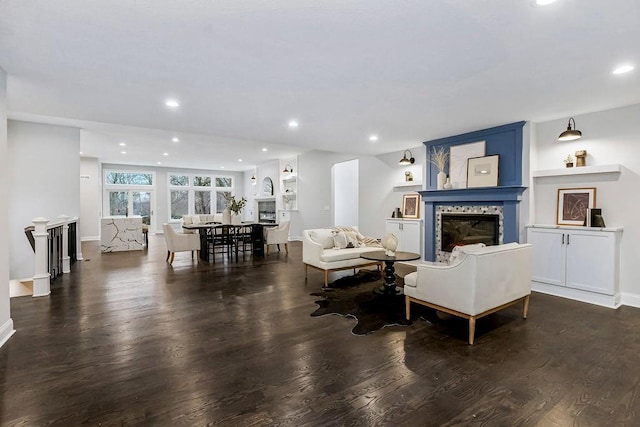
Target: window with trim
197,194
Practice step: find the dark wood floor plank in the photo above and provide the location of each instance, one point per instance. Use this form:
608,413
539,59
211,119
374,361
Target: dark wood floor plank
127,339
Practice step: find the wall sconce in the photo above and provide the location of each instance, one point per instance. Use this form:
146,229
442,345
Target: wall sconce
254,180
287,169
407,161
571,134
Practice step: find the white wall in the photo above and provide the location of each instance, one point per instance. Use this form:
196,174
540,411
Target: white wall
44,172
345,193
6,323
610,137
90,198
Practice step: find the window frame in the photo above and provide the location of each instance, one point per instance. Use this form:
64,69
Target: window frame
192,188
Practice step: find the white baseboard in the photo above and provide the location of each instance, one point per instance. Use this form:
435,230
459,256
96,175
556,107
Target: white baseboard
609,301
89,238
6,331
632,300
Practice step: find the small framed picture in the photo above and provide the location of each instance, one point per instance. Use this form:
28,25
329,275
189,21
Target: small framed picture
483,171
411,206
573,204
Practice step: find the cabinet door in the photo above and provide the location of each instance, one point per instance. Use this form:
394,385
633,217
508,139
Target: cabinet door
548,255
591,262
393,227
411,237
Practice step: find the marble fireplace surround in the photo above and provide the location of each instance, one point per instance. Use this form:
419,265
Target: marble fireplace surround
503,199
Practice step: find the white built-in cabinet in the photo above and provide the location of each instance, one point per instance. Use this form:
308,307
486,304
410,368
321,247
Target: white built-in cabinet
581,263
409,233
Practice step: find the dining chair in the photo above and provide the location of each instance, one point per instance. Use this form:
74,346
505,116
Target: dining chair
222,240
277,235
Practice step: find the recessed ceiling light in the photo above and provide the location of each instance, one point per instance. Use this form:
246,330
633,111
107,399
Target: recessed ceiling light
172,103
159,163
81,153
239,160
293,124
221,167
122,144
175,139
544,2
123,152
264,149
165,154
623,69
373,138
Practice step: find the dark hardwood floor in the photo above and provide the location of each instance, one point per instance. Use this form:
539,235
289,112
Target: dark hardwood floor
128,340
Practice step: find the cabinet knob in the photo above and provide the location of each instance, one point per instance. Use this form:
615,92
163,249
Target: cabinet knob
563,238
567,238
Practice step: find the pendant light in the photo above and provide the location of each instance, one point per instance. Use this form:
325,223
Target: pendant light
571,134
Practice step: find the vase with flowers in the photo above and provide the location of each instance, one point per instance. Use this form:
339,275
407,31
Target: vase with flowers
438,158
235,207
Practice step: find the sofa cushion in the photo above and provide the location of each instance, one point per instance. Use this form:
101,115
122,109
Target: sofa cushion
186,220
323,237
331,255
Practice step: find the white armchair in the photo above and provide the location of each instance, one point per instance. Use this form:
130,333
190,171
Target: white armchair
483,281
179,242
277,235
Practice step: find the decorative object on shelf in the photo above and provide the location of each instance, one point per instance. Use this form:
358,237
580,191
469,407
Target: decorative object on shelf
411,206
267,187
483,171
407,161
573,204
590,219
458,156
408,176
581,158
396,213
447,184
438,158
390,243
568,162
571,134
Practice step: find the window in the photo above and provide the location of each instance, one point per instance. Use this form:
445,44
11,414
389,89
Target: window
179,180
179,203
198,194
129,178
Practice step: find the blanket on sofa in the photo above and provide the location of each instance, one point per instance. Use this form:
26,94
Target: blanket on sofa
366,240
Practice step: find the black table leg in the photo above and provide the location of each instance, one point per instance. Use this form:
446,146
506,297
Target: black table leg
389,286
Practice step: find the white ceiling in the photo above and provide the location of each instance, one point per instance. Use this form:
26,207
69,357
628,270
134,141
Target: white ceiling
406,70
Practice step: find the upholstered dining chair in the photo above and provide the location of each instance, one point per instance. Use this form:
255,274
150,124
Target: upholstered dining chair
277,235
179,242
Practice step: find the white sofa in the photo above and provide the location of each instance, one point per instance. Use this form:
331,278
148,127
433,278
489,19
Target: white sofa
481,281
201,219
319,252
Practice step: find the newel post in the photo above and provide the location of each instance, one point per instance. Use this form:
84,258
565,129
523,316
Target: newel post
66,260
41,278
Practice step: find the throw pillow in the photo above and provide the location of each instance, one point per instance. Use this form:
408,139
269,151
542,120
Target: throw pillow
186,219
340,240
460,252
323,237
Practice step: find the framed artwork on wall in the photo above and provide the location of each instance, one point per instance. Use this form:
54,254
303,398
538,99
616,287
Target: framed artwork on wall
411,206
573,205
483,171
458,157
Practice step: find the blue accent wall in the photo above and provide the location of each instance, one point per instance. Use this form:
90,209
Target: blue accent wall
505,140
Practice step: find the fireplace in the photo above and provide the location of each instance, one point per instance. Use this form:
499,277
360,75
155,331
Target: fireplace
467,229
267,211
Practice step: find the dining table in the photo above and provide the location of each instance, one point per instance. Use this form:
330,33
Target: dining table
243,237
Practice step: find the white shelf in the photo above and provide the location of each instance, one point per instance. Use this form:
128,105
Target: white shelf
583,170
408,184
290,178
264,198
289,194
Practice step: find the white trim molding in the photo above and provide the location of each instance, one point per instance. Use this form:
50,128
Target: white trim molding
632,300
6,331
